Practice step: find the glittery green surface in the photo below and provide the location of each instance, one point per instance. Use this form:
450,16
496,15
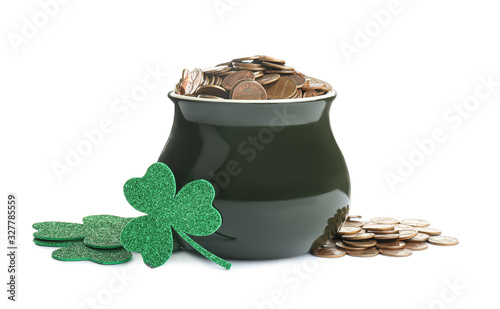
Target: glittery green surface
81,252
104,231
188,212
98,231
151,237
53,230
57,243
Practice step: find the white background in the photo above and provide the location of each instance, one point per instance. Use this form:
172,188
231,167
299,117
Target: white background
423,59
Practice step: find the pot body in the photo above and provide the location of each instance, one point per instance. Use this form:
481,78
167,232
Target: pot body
276,168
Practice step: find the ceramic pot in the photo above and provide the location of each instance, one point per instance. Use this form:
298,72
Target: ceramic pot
276,168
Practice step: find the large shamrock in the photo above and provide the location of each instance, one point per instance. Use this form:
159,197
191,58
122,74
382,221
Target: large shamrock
188,212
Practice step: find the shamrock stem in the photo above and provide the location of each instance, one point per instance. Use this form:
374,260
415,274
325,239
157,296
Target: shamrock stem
209,255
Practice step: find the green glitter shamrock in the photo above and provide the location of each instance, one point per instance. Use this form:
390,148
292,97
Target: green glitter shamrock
81,252
188,212
98,231
57,243
76,250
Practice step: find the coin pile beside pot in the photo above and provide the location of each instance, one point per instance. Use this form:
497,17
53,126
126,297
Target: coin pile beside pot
383,235
250,78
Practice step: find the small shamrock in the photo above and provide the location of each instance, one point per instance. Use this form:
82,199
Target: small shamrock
57,243
76,250
189,212
81,252
98,231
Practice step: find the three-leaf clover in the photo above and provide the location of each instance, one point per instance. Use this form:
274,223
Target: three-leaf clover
81,252
190,211
76,250
97,239
97,231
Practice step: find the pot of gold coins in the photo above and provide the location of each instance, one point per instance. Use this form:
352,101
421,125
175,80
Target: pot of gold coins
259,131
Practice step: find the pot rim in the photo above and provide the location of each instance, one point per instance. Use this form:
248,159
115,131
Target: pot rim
332,94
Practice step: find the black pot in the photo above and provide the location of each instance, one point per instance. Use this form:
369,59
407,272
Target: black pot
276,168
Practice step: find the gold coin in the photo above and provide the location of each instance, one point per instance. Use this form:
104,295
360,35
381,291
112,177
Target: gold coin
416,222
280,71
225,73
213,90
407,234
245,58
298,94
267,79
248,90
353,217
386,236
207,80
385,220
391,244
330,243
358,236
326,88
353,223
206,96
236,84
419,238
258,74
370,252
185,73
314,83
186,82
305,84
309,93
328,252
242,67
234,77
378,227
443,240
383,231
416,246
214,80
197,80
283,88
361,243
216,70
345,246
247,65
428,230
299,79
399,227
270,59
395,252
277,66
346,230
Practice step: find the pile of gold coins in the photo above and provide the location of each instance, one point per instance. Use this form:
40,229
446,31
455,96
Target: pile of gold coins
386,236
250,78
